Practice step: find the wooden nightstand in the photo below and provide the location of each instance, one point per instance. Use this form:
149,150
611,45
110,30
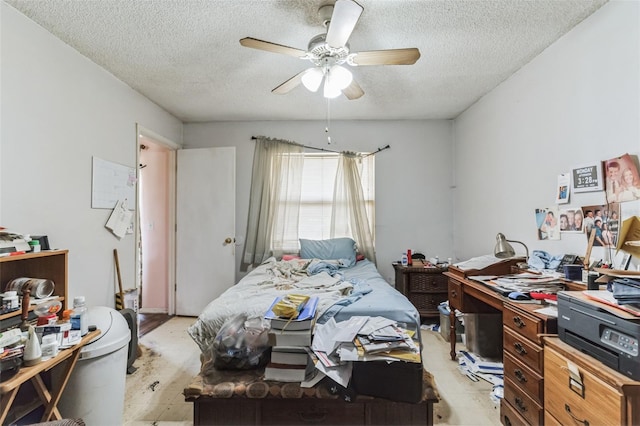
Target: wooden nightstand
425,287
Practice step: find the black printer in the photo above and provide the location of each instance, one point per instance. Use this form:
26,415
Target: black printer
600,333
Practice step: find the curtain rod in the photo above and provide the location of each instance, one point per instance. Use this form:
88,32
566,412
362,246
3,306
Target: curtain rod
335,152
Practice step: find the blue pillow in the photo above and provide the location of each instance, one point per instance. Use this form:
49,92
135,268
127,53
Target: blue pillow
332,249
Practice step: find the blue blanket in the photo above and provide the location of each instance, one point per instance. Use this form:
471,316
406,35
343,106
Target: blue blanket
372,296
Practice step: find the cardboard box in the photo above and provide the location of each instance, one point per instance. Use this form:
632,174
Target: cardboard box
131,299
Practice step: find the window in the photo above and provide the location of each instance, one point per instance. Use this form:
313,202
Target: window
316,200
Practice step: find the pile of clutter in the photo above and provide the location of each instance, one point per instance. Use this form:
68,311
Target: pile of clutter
476,368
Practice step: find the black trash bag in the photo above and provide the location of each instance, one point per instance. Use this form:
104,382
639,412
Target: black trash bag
241,344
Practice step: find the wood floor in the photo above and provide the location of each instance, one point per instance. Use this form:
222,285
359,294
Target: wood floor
148,322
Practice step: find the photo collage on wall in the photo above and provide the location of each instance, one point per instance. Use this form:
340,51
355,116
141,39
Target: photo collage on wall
548,224
605,220
622,180
620,183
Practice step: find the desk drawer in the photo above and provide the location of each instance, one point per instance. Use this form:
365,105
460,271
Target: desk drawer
427,303
523,404
455,294
549,420
427,283
525,351
525,378
509,416
301,412
597,403
522,322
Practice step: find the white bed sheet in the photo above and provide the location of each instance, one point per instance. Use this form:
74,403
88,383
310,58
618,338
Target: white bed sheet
254,294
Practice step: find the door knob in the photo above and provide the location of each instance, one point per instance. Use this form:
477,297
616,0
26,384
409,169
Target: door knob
229,240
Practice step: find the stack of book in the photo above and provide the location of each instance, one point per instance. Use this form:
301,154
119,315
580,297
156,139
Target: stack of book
290,339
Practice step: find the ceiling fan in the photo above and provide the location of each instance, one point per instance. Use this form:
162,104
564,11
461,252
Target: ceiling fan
329,52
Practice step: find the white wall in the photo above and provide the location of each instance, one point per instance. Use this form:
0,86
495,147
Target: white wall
413,198
576,103
58,110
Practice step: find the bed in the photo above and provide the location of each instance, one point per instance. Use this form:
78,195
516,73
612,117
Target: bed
345,287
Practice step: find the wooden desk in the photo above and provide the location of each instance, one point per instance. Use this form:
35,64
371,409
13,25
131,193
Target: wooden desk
470,296
50,398
522,331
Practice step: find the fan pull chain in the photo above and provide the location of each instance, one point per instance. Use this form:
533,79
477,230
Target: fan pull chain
326,129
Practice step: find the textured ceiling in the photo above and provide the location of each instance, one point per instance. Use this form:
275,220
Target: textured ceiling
185,55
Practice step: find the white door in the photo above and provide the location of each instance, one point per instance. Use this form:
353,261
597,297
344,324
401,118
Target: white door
205,217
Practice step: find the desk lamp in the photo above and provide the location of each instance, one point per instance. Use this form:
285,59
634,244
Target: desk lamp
504,250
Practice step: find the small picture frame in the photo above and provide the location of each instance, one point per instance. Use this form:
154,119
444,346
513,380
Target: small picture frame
562,191
624,261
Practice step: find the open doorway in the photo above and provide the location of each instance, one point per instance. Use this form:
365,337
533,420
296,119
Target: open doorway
155,254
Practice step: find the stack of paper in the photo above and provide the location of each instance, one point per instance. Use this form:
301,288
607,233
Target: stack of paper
338,345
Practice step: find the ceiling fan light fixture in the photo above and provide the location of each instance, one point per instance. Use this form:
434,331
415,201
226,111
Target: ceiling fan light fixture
340,76
312,79
330,50
330,89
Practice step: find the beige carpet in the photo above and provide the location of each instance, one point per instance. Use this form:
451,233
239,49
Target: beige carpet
170,360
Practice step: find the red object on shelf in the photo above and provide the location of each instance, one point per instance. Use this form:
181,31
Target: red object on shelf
409,261
47,319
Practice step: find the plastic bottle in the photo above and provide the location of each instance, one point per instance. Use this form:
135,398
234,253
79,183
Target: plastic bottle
35,246
49,347
409,261
65,328
79,320
32,352
405,259
10,300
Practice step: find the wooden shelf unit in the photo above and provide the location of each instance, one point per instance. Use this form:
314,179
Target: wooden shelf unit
50,264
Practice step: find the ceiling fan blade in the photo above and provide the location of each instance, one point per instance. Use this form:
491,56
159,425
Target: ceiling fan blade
290,84
343,20
407,56
353,91
254,43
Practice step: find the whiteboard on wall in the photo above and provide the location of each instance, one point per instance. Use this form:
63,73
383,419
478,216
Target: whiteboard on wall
111,182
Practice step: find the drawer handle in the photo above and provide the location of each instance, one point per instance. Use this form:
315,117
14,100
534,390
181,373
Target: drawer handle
454,293
507,421
312,417
518,322
520,405
519,348
568,410
520,375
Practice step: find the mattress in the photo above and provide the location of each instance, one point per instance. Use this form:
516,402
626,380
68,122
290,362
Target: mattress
359,290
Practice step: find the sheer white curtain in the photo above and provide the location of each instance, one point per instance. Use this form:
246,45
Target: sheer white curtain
349,215
274,201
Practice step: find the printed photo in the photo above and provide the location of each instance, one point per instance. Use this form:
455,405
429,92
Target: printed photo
622,179
570,220
562,192
605,220
547,223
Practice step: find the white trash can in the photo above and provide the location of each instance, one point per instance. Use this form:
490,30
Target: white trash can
96,388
